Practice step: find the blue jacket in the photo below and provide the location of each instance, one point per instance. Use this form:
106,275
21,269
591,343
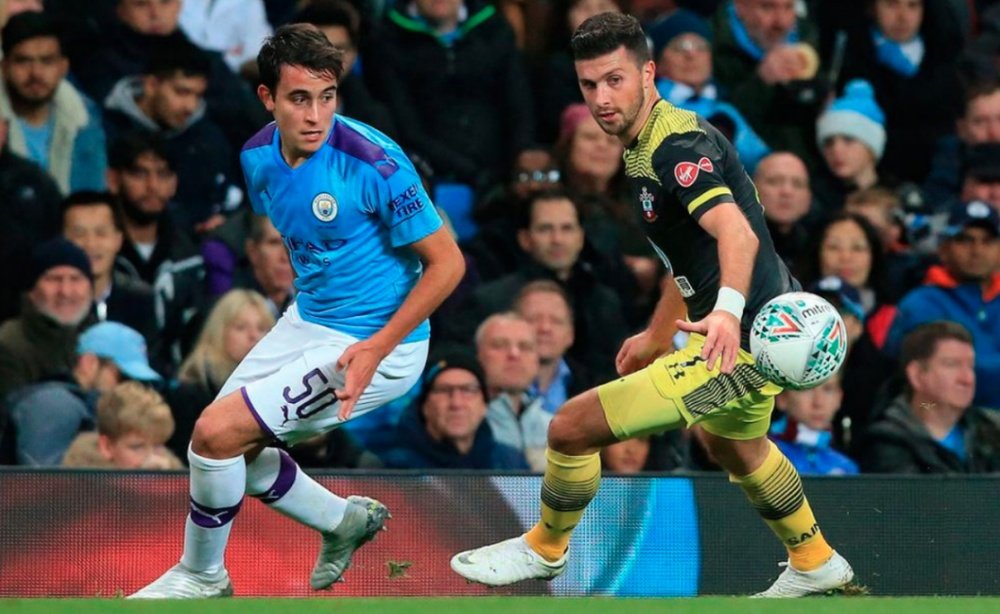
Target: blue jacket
809,460
943,298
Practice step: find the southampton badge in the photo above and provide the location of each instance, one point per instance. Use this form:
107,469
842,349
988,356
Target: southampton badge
325,207
648,213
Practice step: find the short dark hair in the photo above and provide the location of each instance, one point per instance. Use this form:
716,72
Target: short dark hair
179,56
258,224
93,198
922,342
326,13
126,150
606,32
527,208
977,90
298,44
25,26
544,285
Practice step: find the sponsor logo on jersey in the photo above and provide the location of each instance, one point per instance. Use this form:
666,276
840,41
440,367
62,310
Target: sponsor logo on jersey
686,173
685,287
407,204
648,213
325,207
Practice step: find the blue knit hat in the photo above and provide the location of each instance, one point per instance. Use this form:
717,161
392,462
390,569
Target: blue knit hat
855,114
681,21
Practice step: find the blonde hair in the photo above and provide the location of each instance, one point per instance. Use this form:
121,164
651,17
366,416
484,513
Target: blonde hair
131,407
208,362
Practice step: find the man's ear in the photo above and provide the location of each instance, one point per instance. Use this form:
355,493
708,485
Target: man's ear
524,240
266,97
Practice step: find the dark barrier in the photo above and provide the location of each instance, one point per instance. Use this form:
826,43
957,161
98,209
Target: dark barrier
90,533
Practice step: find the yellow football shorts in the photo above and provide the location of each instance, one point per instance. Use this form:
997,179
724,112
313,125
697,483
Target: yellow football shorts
678,390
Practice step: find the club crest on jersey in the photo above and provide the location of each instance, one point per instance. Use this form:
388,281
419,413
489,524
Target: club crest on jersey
648,213
686,173
325,207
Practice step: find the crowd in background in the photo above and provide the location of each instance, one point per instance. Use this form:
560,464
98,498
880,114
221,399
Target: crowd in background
134,276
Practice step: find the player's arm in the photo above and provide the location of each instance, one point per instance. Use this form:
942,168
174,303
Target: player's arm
444,267
640,350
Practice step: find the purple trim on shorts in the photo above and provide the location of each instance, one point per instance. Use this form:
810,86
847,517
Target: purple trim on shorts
263,137
283,483
260,421
213,517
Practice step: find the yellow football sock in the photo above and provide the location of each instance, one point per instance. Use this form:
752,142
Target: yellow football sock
775,491
569,484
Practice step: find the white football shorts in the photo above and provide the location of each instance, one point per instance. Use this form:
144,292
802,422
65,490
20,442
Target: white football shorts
288,379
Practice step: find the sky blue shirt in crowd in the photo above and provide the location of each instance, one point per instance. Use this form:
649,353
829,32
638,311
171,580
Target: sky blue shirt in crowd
38,140
345,215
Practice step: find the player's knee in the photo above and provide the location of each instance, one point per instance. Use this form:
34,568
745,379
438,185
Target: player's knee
564,435
209,438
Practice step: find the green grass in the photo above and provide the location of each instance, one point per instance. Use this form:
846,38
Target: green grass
517,605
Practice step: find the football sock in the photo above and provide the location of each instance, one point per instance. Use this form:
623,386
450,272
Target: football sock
775,491
217,488
275,479
569,484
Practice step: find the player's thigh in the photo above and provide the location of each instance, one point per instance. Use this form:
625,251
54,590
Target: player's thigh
227,428
580,427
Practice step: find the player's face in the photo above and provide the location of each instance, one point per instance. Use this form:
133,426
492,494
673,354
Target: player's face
594,153
34,69
64,294
783,184
555,236
269,259
846,157
687,59
767,21
981,122
845,252
92,229
509,354
150,16
626,457
948,376
899,20
455,405
303,105
815,407
550,315
175,99
243,332
130,451
615,89
147,186
971,255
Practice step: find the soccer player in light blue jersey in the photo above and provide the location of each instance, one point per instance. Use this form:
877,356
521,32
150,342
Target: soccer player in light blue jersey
372,262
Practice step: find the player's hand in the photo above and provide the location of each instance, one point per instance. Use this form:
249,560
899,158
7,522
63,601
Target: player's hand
722,338
639,351
361,360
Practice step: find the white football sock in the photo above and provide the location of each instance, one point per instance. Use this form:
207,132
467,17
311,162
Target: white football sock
275,479
217,488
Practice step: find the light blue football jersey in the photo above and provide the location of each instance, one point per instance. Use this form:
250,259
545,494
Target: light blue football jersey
346,215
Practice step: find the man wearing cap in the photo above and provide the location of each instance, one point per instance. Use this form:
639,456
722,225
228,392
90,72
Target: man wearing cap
42,341
47,416
446,427
981,177
964,288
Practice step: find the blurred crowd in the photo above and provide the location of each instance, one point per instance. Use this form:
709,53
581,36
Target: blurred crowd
134,277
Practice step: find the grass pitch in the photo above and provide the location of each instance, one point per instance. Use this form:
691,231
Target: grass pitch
515,605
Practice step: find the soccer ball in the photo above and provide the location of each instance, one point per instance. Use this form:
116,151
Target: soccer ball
798,340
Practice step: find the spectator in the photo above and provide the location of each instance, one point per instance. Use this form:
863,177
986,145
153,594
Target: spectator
851,135
456,85
167,100
29,202
133,422
508,353
51,122
42,341
910,64
981,177
156,251
979,124
765,57
627,457
964,288
545,306
804,434
446,427
340,23
92,222
48,415
932,427
782,182
270,271
234,28
235,324
682,50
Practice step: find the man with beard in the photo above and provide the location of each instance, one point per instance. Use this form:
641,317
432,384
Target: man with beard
51,123
42,341
155,251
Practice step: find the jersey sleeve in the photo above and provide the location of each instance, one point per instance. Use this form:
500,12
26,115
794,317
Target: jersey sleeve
255,192
403,204
689,166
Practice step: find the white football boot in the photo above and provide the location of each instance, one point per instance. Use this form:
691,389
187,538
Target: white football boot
180,583
363,519
509,561
835,574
